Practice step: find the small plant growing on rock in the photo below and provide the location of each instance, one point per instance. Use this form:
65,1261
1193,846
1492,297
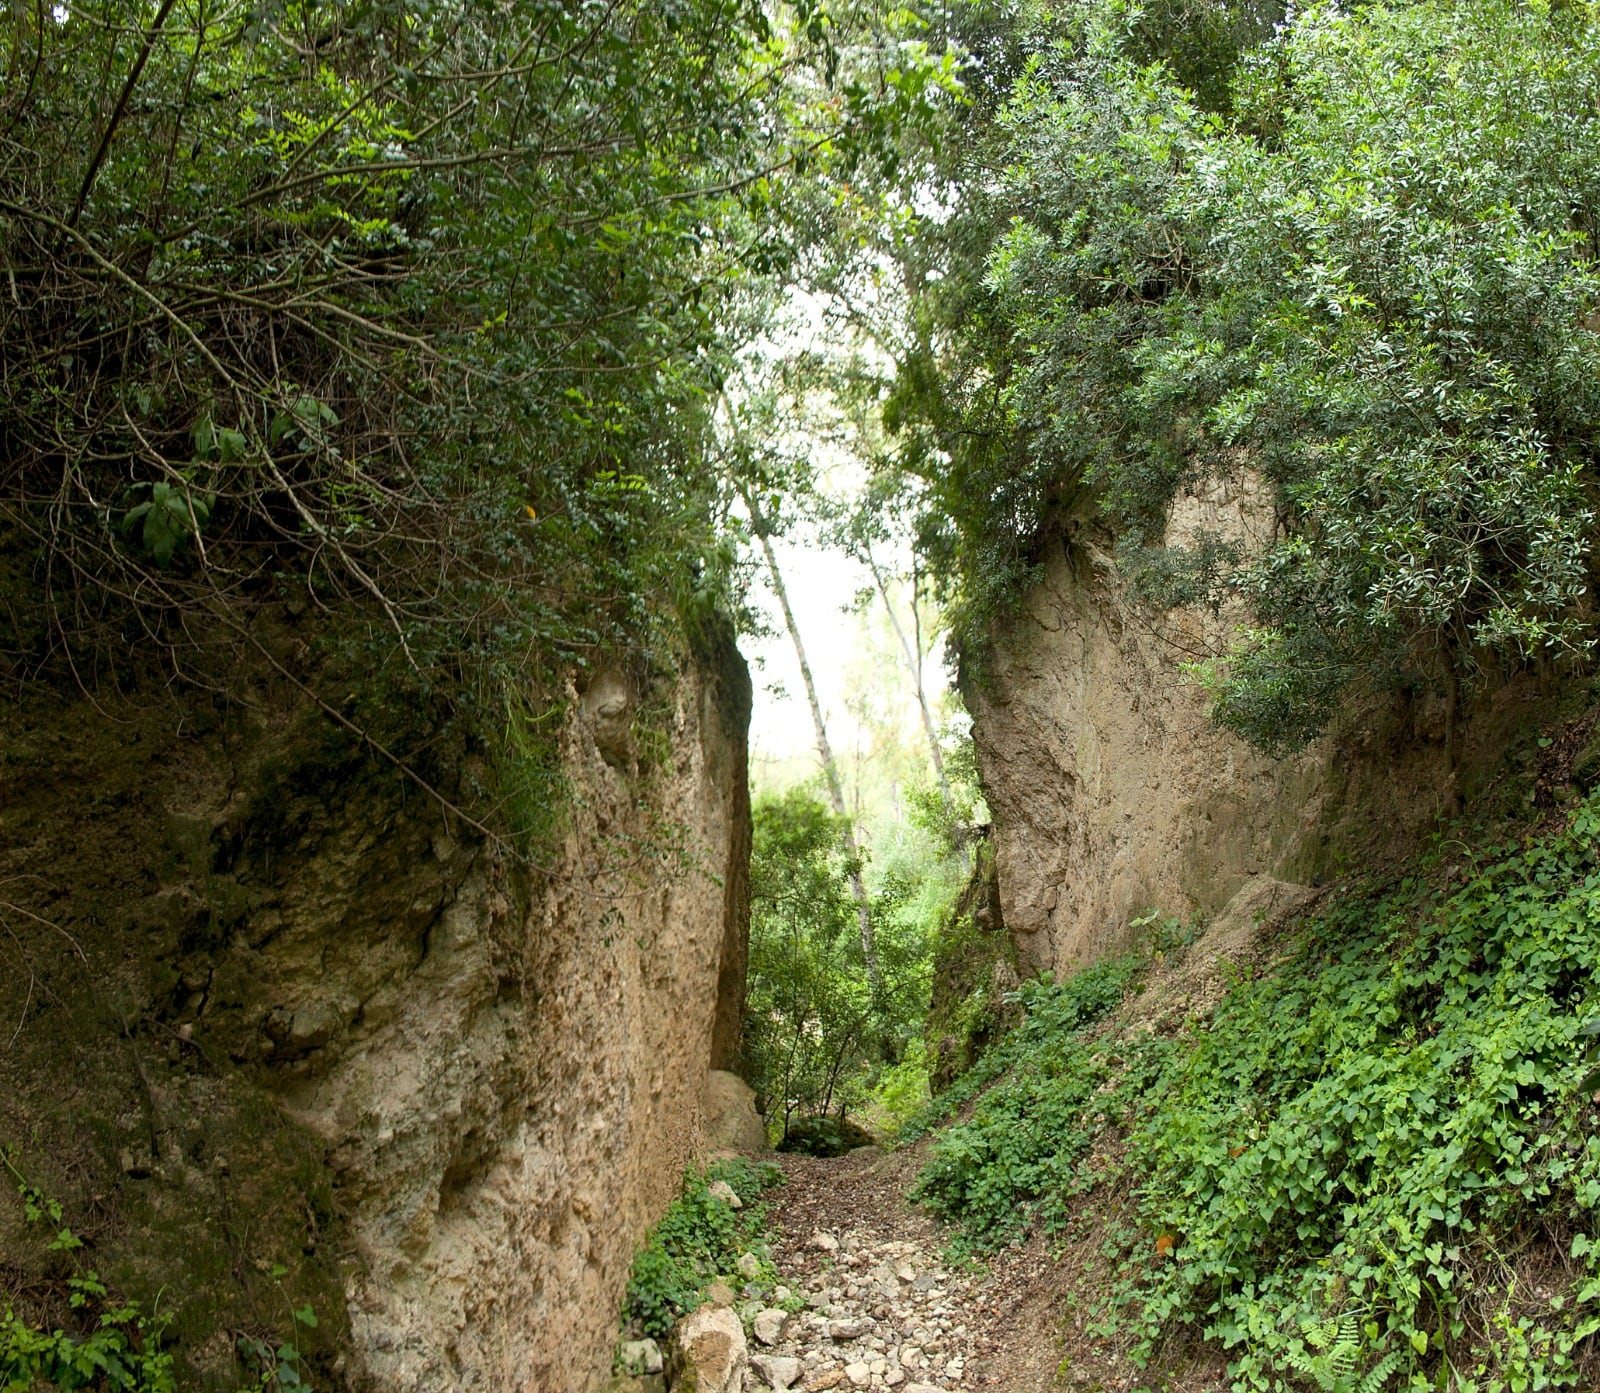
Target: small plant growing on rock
279,1368
116,1346
700,1238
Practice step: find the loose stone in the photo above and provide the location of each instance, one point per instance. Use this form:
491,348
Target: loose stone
780,1371
768,1325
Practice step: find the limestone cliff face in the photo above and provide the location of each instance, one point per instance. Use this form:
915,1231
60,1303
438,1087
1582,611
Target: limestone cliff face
328,1044
504,1147
1111,791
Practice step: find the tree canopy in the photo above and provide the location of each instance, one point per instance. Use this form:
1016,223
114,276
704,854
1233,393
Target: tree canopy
413,310
1352,260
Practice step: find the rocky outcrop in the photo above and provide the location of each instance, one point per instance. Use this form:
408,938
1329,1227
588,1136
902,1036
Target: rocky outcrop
729,1122
974,972
551,1128
331,1044
1112,793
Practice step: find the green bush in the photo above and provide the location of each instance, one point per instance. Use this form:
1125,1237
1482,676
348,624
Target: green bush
699,1239
116,1347
1362,282
825,1136
1372,1128
1353,1171
1055,1012
902,1089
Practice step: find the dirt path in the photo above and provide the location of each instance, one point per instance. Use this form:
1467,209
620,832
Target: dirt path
882,1308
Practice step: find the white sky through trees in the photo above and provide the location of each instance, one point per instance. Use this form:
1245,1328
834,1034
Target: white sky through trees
854,658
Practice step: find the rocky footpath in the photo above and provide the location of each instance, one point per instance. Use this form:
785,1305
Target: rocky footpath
874,1312
857,1295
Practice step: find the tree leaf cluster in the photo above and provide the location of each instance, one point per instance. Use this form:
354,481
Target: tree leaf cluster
413,312
1344,271
816,1031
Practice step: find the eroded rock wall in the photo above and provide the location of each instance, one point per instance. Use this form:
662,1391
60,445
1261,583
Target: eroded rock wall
511,1136
328,1044
1111,791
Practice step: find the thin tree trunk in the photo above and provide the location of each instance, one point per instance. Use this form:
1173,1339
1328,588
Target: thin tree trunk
912,649
913,657
858,888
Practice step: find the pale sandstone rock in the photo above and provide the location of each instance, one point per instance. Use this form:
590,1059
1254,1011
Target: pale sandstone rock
608,702
528,1081
635,1383
1111,790
641,1357
780,1371
709,1348
729,1120
768,1325
721,1190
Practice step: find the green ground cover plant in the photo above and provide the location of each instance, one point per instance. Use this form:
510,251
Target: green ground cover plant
1048,1045
1386,1123
1374,1166
97,1339
114,1345
699,1239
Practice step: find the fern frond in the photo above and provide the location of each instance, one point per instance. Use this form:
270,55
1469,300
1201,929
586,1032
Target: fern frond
1381,1372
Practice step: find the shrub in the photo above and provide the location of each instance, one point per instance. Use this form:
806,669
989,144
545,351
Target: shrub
116,1347
1371,1128
1352,1171
698,1239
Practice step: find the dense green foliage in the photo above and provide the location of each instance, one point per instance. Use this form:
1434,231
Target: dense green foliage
812,1025
700,1238
1013,1160
410,305
1359,287
382,340
111,1344
1379,1153
1380,1126
121,1353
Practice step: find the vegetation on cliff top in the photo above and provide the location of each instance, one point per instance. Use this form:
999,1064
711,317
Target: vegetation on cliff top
412,319
408,317
1347,266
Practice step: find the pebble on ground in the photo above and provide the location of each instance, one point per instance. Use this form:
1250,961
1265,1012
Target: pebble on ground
882,1314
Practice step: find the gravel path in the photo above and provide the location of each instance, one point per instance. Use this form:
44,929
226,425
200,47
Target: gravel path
882,1310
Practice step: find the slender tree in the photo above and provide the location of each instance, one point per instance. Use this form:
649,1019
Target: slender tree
913,654
830,769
